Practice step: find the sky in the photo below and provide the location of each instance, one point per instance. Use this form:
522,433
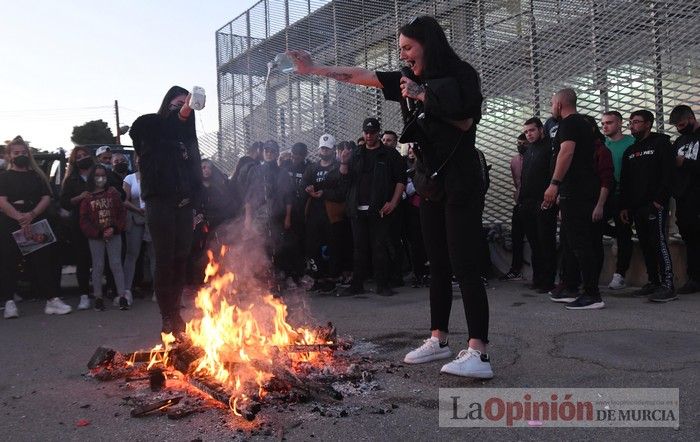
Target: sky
65,62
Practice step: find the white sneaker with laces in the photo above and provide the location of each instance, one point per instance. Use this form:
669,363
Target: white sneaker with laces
11,310
430,350
470,363
617,282
129,297
84,303
55,306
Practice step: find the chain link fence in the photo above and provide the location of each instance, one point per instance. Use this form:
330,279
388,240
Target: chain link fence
617,54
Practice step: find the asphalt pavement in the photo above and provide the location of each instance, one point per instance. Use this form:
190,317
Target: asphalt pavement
45,395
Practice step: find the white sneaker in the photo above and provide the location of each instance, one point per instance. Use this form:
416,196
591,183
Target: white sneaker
11,310
17,298
115,301
129,297
470,363
617,283
55,306
84,303
429,351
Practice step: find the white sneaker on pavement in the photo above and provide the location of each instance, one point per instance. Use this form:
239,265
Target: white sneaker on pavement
129,297
55,306
617,282
11,310
430,350
84,303
469,363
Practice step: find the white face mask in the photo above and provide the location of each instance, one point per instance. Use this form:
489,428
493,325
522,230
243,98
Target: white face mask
100,181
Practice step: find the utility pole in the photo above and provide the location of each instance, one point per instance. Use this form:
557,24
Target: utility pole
116,112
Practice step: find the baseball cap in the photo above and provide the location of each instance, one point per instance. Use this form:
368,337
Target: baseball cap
371,125
327,141
101,150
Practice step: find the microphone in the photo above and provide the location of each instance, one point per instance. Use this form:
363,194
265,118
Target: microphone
408,73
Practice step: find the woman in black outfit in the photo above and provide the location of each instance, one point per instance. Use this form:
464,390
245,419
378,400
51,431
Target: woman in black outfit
446,92
171,180
73,191
25,195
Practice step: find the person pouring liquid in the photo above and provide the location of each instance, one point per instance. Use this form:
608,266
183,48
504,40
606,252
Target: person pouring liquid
446,95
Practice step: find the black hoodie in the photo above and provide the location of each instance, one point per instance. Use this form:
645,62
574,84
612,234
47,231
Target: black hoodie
536,173
170,164
687,176
647,172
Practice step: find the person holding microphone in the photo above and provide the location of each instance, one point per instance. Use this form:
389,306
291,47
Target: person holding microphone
441,98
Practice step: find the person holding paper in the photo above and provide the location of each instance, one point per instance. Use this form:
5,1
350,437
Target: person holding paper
24,197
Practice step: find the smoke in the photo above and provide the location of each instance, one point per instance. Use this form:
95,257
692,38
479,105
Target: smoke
248,255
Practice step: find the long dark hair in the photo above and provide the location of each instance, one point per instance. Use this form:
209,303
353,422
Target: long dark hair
218,179
72,169
438,55
91,177
173,92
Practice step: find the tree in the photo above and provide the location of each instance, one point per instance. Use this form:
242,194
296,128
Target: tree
92,132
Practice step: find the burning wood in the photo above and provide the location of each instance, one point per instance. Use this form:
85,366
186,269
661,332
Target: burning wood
240,353
155,406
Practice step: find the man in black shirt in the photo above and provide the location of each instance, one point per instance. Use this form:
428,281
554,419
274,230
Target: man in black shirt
574,181
317,222
687,190
241,176
296,170
377,178
540,224
645,189
268,207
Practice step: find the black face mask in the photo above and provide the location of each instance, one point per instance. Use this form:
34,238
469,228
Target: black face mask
121,168
21,161
687,130
328,157
84,163
522,148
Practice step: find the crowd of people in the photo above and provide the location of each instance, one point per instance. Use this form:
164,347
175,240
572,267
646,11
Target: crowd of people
629,182
363,211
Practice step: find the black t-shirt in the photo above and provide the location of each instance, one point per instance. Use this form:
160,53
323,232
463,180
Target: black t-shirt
364,189
580,181
315,175
687,177
27,187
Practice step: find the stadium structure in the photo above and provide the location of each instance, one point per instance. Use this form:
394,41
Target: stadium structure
617,54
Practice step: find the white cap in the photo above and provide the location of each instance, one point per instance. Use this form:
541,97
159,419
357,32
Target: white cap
327,140
101,150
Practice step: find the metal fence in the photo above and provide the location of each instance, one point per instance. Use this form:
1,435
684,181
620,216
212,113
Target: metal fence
617,54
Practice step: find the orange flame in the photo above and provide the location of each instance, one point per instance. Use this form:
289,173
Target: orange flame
240,343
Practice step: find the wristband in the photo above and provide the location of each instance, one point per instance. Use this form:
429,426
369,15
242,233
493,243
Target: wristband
555,182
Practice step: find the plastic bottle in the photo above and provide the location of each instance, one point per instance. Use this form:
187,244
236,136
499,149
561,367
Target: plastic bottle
198,98
282,63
